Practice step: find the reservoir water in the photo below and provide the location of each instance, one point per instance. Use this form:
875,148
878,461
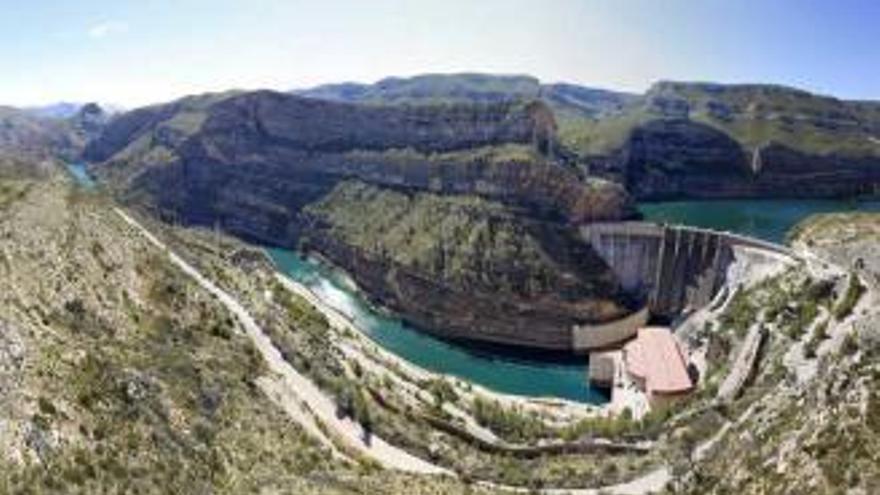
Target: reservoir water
767,219
516,373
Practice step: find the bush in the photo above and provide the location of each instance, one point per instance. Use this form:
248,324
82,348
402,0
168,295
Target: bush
820,333
850,344
854,292
509,423
442,391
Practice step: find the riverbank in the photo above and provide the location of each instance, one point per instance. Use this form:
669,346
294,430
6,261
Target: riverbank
564,411
517,372
402,406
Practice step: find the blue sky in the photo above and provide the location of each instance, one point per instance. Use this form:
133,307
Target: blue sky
137,52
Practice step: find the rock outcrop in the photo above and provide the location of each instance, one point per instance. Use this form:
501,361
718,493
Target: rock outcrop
463,267
681,139
261,165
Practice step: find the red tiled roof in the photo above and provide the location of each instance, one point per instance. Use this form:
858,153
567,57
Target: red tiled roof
656,357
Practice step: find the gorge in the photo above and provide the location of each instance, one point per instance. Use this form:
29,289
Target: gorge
417,196
433,273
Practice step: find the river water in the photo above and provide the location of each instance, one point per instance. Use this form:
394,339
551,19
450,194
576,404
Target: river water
81,175
503,371
516,372
545,376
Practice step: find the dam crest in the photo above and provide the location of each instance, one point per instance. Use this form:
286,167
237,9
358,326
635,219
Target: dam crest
671,268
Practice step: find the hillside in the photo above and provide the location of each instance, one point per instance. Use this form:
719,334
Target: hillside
809,423
118,373
447,262
254,163
683,139
28,138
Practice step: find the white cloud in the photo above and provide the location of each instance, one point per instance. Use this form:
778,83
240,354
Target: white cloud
107,28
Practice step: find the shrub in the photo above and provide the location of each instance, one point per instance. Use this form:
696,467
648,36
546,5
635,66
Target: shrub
509,423
854,292
820,333
442,391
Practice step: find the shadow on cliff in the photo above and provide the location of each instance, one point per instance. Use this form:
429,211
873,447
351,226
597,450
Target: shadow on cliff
669,158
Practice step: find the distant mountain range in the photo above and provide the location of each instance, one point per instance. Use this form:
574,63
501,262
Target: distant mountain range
29,136
66,110
679,138
465,88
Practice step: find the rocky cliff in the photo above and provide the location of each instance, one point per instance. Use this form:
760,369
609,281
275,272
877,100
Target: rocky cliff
681,139
711,140
30,140
268,166
464,267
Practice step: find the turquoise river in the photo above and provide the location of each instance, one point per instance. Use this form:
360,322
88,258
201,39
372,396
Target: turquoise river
519,373
545,376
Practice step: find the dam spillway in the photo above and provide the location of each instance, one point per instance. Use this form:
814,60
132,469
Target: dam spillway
671,268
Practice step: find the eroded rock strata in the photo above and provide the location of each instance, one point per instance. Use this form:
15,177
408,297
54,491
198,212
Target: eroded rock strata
325,176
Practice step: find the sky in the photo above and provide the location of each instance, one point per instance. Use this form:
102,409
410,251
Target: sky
131,53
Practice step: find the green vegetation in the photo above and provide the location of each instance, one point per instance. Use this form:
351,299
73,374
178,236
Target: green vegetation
592,136
143,384
854,291
511,424
466,241
12,191
753,115
433,89
620,426
442,391
791,305
820,334
302,334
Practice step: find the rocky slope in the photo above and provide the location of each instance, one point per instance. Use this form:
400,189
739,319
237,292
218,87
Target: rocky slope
28,138
119,374
464,267
253,163
683,139
807,421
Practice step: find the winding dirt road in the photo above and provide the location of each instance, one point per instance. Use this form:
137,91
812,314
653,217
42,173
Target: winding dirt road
305,403
293,390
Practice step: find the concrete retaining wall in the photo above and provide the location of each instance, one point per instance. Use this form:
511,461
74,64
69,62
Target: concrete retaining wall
587,337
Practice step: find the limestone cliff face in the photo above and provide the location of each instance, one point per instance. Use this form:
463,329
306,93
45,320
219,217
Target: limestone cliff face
233,145
465,267
680,158
681,139
712,140
259,164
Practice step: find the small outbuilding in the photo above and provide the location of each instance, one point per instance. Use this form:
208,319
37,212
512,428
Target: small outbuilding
656,362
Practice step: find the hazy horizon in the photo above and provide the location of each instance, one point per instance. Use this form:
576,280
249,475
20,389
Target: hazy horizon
132,54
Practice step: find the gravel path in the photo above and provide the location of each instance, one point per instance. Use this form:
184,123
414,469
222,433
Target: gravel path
303,401
293,389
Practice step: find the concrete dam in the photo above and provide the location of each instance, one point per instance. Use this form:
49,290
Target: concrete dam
672,269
